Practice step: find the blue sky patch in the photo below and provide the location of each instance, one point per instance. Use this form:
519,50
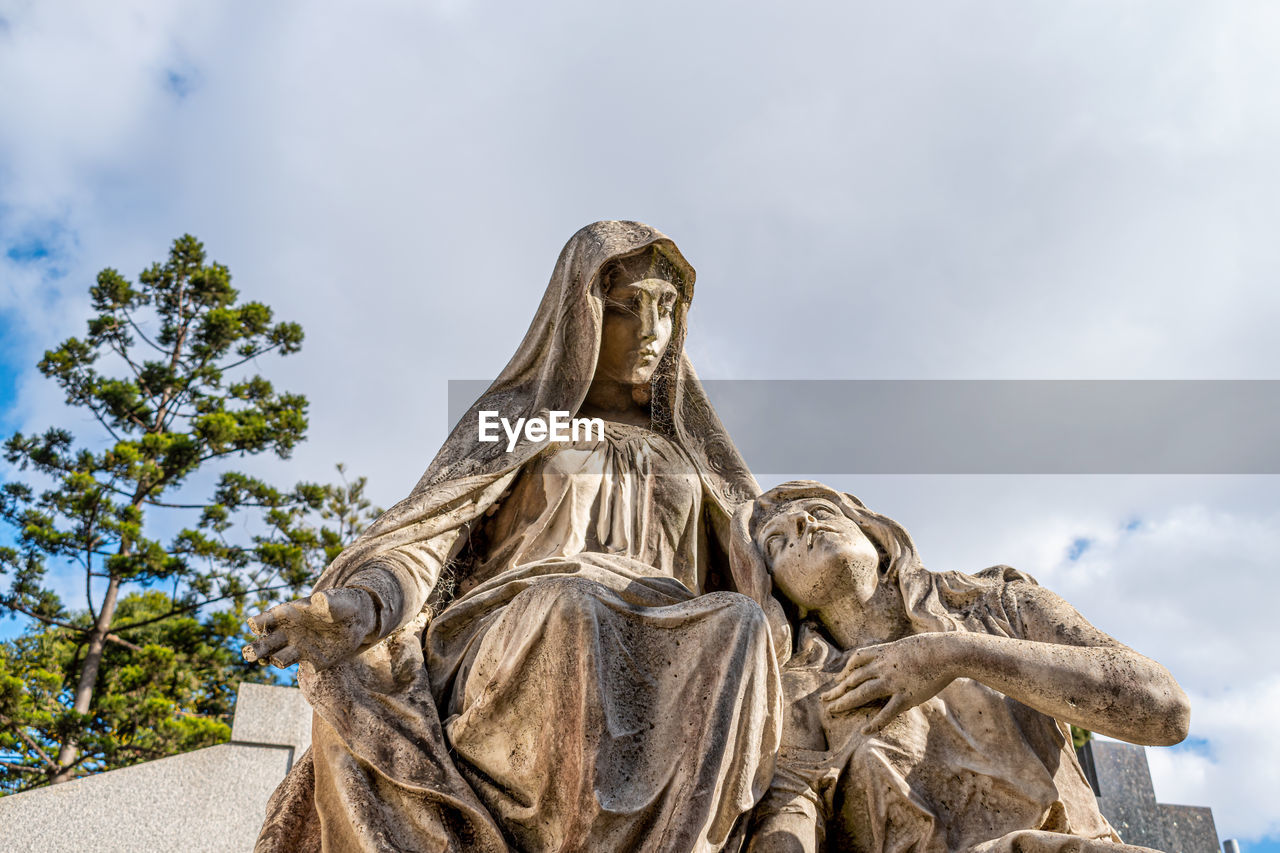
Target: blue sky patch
12,625
10,369
29,251
1197,745
180,82
1078,547
45,244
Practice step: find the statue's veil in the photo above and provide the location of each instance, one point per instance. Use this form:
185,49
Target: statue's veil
551,371
554,364
377,706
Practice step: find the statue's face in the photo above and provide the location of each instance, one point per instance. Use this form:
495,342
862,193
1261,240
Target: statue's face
816,553
637,329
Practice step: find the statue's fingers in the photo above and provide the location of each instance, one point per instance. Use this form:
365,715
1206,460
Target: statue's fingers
264,622
862,657
848,682
262,648
864,693
321,607
287,656
280,616
893,708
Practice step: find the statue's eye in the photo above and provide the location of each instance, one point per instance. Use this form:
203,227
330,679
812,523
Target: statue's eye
821,512
622,305
665,310
771,544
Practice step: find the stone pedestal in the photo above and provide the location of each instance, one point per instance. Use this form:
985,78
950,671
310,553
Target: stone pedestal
206,801
1128,800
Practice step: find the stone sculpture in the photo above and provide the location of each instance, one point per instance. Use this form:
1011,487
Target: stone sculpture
923,708
596,691
573,645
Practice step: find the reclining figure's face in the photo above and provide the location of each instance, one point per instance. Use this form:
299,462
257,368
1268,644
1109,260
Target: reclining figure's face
817,554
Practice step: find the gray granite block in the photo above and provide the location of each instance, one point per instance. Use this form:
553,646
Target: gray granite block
1125,794
1128,800
207,801
1190,829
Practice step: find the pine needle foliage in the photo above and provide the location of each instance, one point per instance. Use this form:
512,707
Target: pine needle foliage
167,371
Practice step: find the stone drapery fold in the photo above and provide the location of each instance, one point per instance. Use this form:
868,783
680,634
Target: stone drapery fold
385,771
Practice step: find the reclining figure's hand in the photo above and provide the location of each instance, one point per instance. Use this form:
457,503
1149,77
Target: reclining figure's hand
1077,674
905,672
323,629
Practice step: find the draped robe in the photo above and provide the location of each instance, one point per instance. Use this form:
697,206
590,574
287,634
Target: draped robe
582,691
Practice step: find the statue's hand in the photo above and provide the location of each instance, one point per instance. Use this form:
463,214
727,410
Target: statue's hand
903,672
323,629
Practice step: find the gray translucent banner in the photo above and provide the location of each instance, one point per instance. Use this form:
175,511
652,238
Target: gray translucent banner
825,427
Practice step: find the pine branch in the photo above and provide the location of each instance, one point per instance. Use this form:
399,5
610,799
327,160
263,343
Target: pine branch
121,641
88,561
58,623
48,620
88,593
247,358
94,409
251,504
22,768
35,747
190,607
123,352
138,331
186,388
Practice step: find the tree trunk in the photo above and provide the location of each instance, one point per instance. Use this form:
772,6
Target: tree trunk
88,678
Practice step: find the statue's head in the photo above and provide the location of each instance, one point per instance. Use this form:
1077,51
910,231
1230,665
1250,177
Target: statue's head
820,545
643,300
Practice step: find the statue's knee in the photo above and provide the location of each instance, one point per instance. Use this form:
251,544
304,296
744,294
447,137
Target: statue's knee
564,596
742,611
744,607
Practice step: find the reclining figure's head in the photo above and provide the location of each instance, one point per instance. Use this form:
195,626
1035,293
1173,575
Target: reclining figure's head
820,545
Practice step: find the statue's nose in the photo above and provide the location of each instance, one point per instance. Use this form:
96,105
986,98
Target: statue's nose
649,323
803,520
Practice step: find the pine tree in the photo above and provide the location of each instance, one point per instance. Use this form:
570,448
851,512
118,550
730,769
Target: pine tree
150,667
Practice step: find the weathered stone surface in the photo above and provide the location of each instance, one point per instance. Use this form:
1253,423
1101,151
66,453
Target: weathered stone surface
586,643
923,708
593,681
1125,793
1189,829
206,801
273,716
1128,800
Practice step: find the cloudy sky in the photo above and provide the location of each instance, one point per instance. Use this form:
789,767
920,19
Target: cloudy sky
962,190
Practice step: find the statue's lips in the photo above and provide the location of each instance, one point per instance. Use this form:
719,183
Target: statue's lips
814,531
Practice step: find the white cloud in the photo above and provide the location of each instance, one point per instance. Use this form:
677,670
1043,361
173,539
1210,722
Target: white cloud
1240,771
1196,588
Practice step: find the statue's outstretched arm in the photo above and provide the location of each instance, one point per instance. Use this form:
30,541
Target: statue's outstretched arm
378,584
1065,668
334,623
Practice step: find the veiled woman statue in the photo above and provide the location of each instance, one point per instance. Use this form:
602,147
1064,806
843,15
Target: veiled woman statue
539,648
